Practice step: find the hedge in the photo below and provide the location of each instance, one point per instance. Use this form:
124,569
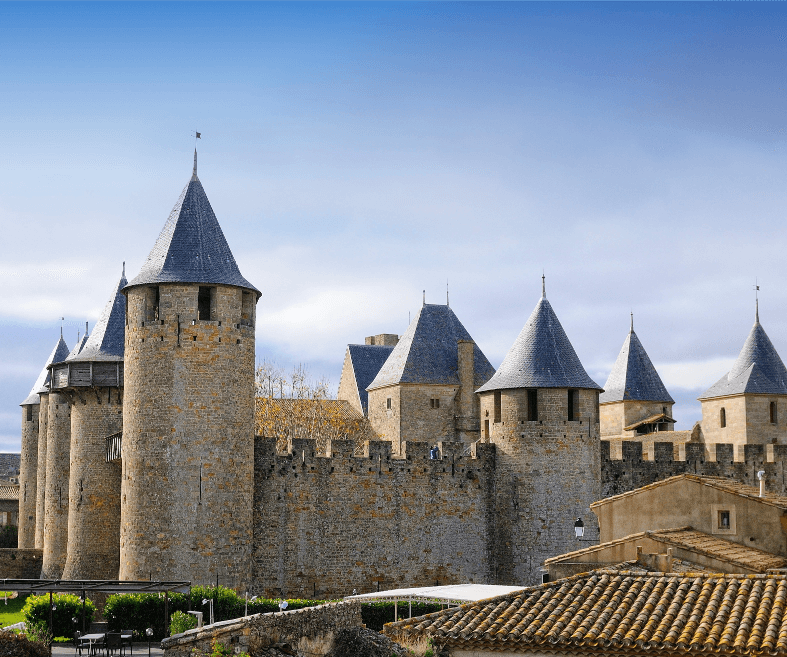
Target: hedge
68,606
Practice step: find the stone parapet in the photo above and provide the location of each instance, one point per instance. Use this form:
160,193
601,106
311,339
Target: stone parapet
20,564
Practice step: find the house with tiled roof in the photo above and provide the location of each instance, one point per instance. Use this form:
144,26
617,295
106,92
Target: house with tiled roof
748,405
362,362
616,613
635,400
718,507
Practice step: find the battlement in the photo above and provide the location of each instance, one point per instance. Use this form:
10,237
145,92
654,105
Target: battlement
626,465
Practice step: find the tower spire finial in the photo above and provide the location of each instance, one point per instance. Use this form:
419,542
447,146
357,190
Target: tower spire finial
447,303
756,302
632,321
424,303
194,172
543,285
124,269
62,319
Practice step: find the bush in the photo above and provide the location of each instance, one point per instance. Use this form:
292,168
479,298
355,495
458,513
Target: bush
377,614
181,622
68,606
8,536
21,645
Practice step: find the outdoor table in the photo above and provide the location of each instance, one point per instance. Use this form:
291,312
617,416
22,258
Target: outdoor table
127,638
92,640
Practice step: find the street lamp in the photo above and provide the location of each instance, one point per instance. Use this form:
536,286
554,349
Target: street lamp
282,605
206,601
253,598
149,634
579,528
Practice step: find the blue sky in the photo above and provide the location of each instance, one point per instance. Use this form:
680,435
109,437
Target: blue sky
356,154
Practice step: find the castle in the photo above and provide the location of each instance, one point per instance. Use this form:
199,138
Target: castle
139,458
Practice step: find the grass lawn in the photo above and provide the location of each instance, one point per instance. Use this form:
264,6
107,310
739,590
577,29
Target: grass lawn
12,612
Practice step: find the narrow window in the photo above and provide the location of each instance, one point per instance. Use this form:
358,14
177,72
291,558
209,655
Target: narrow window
532,405
486,429
153,312
434,403
722,418
773,412
388,403
664,410
203,303
724,520
498,404
29,412
572,405
247,309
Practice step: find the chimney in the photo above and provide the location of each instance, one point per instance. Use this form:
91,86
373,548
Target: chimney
467,407
383,340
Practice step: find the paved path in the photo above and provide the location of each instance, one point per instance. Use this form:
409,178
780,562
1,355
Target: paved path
141,649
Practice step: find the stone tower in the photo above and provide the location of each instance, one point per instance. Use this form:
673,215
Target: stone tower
28,467
425,388
188,410
541,410
748,405
92,378
634,400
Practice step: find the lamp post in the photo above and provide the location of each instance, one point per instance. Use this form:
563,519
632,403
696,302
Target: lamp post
579,528
149,634
206,601
253,598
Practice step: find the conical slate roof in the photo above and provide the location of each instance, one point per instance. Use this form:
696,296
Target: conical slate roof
191,247
58,355
427,352
541,357
107,341
758,369
79,345
633,376
367,360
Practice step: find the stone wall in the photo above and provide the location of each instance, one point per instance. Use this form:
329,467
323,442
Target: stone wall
348,387
20,564
614,416
748,420
43,420
324,526
548,474
305,632
94,487
631,467
58,446
28,476
188,445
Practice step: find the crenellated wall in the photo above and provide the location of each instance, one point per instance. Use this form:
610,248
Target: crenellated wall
328,525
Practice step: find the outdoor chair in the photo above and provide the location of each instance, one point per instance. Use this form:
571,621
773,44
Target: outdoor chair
113,643
128,641
78,643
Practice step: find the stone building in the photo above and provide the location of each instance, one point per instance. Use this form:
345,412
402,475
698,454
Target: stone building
743,407
362,362
634,401
540,410
426,387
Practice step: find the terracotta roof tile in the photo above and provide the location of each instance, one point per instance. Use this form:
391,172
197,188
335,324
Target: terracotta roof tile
623,612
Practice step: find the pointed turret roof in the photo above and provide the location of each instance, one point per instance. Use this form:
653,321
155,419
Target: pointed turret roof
367,360
107,341
427,352
79,345
541,357
191,247
633,376
758,369
58,355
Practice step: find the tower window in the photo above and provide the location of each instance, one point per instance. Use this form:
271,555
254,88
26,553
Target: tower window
29,412
722,418
532,405
573,405
486,429
434,403
388,403
498,405
773,412
153,299
204,299
247,309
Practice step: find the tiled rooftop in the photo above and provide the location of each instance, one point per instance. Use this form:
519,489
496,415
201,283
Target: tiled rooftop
633,376
659,417
541,357
728,485
621,611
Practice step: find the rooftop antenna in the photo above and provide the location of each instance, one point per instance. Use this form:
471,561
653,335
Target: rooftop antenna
756,302
446,293
543,285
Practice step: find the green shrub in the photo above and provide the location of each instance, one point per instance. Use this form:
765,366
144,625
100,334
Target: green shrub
180,622
39,633
68,606
21,645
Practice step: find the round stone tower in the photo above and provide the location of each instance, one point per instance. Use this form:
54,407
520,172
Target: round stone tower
541,410
92,378
58,443
38,490
188,412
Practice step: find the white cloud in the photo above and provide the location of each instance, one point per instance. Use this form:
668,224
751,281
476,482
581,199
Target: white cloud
694,375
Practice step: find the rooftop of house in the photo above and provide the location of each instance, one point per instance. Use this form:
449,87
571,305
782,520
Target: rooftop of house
748,559
622,611
653,419
541,357
191,247
720,483
633,376
427,352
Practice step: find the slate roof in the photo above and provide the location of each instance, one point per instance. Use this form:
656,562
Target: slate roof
367,360
78,346
541,357
58,355
191,247
427,352
633,376
758,369
627,613
107,341
720,483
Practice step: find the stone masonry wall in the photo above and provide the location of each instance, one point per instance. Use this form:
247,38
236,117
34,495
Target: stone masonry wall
385,421
630,468
324,526
94,488
307,632
548,474
617,415
735,414
748,420
56,499
20,564
28,475
188,444
43,420
348,388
